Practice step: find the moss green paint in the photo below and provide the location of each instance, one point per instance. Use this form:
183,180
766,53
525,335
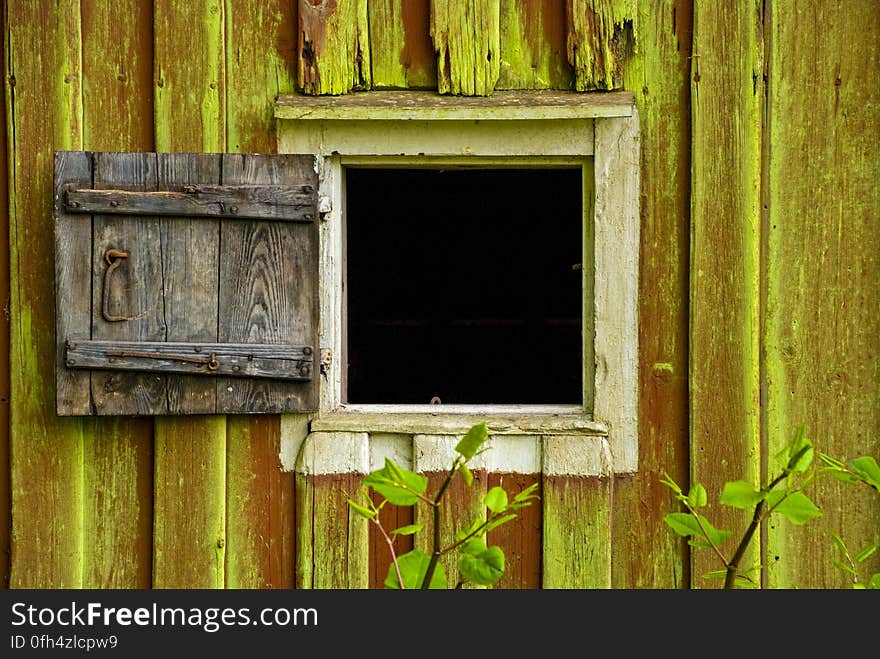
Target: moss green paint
532,45
601,35
467,40
335,48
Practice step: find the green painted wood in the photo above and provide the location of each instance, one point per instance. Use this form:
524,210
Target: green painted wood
334,46
533,45
601,35
5,465
260,533
576,531
651,556
190,453
727,101
332,542
43,104
467,42
822,331
401,53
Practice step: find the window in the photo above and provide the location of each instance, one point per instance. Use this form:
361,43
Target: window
391,165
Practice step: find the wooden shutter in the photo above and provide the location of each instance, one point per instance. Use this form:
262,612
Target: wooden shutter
185,283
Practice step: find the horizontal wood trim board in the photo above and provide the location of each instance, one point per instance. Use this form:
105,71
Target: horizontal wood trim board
268,202
284,362
425,105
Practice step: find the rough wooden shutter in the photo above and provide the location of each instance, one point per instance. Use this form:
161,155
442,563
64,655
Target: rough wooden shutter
185,283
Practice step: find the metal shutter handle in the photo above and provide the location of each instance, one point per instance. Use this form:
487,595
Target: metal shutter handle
114,258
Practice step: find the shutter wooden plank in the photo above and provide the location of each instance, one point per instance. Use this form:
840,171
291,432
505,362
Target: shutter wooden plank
334,48
654,557
727,106
601,36
466,36
189,252
532,45
73,265
401,53
118,451
254,360
264,202
268,279
822,328
135,288
43,63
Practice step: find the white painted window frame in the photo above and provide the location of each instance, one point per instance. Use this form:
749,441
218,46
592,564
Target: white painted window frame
598,132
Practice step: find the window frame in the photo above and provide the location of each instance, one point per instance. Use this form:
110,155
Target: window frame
597,132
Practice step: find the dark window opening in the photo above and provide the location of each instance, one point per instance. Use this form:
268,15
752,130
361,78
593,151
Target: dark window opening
464,286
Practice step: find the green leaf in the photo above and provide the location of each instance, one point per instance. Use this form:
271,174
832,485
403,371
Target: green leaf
686,524
715,574
526,494
697,497
797,506
495,523
868,469
874,581
844,476
473,439
461,535
468,476
865,553
741,494
409,529
399,486
496,499
670,483
362,510
413,567
832,462
798,455
843,566
841,546
473,547
484,568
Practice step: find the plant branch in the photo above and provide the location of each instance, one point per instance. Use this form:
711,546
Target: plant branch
390,542
435,509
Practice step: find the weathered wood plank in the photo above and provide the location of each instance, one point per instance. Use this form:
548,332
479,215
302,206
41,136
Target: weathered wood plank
467,41
727,101
533,45
822,330
521,538
189,250
649,555
260,549
259,202
118,482
401,53
576,495
73,268
333,542
189,528
135,288
260,546
255,360
43,108
268,285
5,493
190,115
334,46
601,35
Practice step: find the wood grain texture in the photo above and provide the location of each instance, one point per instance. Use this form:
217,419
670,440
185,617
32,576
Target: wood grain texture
268,276
601,35
43,107
134,289
727,99
533,45
650,555
401,55
576,531
521,539
261,547
118,480
822,329
334,46
467,42
190,116
5,465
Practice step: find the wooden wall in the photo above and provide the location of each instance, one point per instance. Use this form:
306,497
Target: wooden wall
758,276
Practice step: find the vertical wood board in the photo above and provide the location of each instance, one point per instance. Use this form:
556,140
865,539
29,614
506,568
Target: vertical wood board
334,46
532,45
601,35
467,42
401,53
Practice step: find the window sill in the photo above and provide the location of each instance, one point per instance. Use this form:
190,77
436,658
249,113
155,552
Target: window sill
457,420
